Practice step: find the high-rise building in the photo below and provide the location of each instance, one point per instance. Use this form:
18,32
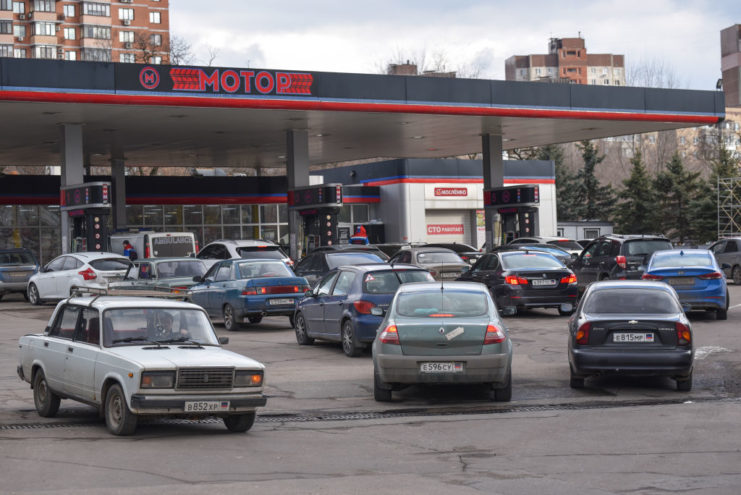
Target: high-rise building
567,60
104,30
730,64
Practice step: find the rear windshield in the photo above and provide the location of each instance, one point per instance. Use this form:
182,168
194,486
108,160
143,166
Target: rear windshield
441,303
262,269
185,268
643,247
387,282
529,261
172,246
261,253
668,260
339,259
111,264
17,258
438,257
631,301
566,244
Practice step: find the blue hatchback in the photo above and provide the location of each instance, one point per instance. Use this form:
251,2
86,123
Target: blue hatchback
339,307
695,275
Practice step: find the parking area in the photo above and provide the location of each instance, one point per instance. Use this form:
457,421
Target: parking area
319,379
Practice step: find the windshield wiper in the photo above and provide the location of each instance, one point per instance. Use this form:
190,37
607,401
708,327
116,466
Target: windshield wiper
183,340
137,339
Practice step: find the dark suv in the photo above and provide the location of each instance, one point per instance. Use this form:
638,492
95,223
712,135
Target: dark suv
616,257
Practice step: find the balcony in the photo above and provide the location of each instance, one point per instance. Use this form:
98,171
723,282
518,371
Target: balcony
42,16
95,19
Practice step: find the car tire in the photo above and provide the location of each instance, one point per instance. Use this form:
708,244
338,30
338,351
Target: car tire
736,275
118,417
46,401
255,319
302,335
33,294
684,384
575,381
239,423
350,345
503,394
228,314
722,314
381,390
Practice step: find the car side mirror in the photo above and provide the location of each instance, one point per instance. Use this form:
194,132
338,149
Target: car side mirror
197,279
376,311
223,340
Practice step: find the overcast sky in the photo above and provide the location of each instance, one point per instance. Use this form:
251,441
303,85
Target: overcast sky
471,36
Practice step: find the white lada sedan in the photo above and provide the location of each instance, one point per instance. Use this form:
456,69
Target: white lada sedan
132,356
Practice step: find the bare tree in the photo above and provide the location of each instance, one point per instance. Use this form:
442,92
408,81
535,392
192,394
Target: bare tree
212,52
180,51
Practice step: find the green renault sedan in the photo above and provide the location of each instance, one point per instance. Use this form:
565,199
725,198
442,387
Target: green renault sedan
442,332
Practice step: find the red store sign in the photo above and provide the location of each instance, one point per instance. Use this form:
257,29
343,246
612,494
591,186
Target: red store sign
451,191
444,229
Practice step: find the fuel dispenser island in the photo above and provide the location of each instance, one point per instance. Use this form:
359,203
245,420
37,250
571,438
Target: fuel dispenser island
517,209
89,208
318,207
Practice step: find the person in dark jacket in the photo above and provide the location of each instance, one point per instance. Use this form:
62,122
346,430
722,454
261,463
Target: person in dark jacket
129,250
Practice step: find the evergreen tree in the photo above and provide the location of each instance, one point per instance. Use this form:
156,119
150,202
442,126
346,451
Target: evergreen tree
592,201
565,182
636,212
677,187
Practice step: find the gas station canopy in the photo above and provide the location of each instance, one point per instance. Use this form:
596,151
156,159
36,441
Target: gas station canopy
224,117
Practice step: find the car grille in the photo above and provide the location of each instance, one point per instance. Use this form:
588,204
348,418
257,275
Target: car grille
200,378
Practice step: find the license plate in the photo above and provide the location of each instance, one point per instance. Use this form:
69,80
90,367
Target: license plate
543,282
280,302
681,281
449,275
441,367
207,406
633,337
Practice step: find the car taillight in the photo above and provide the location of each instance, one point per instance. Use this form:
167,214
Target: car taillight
711,276
648,276
390,335
684,336
363,307
621,261
197,247
433,273
582,334
514,280
305,288
88,274
176,290
253,291
571,279
494,335
147,252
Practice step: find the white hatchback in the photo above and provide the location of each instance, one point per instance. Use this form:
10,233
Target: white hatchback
61,276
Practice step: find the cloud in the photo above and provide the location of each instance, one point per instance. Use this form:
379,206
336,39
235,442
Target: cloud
351,36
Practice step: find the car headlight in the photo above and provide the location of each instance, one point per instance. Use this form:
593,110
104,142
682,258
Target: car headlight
158,379
248,378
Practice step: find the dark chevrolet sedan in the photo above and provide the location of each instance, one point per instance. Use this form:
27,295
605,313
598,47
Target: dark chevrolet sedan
340,307
630,327
519,279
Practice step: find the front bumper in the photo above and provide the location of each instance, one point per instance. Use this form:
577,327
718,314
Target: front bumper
485,368
658,362
175,404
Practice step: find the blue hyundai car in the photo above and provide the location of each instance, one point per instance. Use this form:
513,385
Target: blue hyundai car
695,275
241,291
341,306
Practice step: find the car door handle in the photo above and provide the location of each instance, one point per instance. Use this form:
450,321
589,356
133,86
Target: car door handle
46,344
71,349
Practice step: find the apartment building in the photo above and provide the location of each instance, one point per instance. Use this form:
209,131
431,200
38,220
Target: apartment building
730,64
567,60
132,31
